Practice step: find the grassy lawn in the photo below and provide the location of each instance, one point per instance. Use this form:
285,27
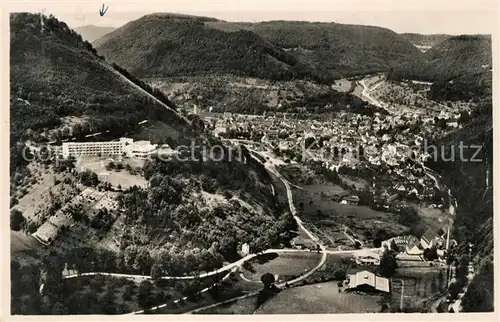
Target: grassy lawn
430,216
243,306
322,298
122,177
326,218
357,182
286,265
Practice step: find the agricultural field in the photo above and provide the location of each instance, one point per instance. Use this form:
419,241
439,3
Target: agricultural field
327,218
432,217
116,176
285,266
342,85
358,183
321,298
242,306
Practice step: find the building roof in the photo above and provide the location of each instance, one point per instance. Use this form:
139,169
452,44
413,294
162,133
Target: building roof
429,235
351,198
367,253
368,278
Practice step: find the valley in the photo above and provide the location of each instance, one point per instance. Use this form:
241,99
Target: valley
217,167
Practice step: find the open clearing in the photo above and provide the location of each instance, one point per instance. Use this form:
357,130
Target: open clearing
285,266
122,178
322,298
327,217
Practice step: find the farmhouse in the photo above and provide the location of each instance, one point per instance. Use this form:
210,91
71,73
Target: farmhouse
367,257
302,243
429,238
351,200
366,281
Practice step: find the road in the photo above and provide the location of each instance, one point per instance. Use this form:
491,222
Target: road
235,265
365,93
434,176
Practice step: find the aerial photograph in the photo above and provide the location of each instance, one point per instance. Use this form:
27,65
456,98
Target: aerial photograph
214,162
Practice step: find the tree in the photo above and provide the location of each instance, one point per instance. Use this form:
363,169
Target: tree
156,272
59,309
128,292
268,280
17,220
394,247
380,236
145,296
454,290
430,254
388,264
107,302
339,275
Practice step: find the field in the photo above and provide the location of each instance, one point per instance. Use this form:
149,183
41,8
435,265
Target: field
419,284
430,216
125,293
357,182
242,306
115,177
327,218
284,266
322,298
342,85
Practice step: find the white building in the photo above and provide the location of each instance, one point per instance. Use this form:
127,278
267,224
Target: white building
367,257
139,149
367,281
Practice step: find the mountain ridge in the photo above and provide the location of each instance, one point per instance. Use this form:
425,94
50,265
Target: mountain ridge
274,50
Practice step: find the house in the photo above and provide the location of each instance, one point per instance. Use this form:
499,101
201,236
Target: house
366,281
245,249
402,241
351,200
429,238
392,198
339,196
302,243
367,257
413,249
400,187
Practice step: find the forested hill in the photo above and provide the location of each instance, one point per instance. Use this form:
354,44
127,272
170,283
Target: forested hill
471,182
425,40
339,49
453,57
167,45
60,87
159,45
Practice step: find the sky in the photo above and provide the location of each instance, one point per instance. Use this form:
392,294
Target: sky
417,16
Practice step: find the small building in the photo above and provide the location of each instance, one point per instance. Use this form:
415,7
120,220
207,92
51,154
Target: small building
366,281
429,238
245,249
413,249
339,196
351,200
400,187
303,243
367,257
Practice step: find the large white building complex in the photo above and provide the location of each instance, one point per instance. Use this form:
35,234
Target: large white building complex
123,146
